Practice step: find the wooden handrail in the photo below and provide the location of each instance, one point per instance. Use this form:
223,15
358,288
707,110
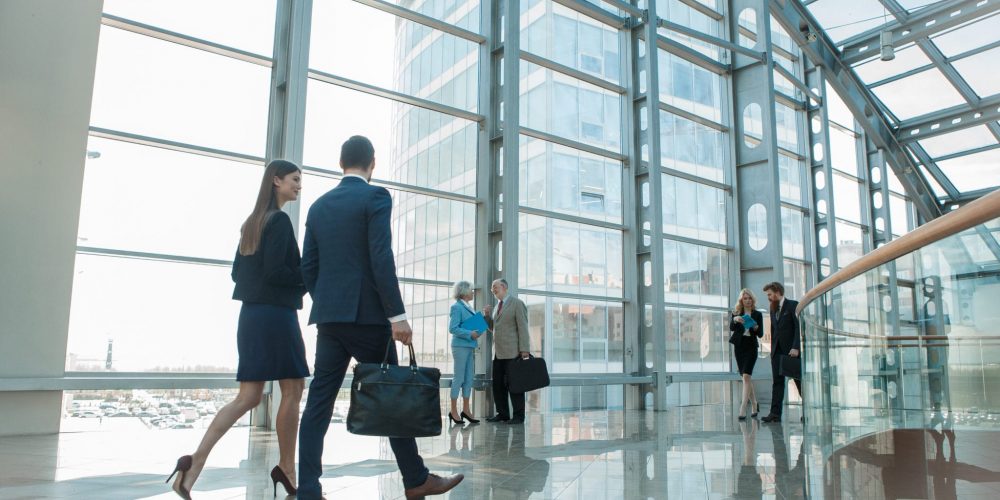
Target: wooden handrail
978,212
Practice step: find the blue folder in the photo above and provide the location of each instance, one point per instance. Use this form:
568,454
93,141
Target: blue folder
476,323
748,322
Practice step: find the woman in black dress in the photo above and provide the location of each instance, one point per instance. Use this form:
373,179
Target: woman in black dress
268,337
746,346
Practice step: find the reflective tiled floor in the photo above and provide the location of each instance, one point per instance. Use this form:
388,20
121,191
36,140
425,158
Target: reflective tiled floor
687,452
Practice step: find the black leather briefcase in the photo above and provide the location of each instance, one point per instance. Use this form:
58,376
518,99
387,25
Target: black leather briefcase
790,367
526,375
395,401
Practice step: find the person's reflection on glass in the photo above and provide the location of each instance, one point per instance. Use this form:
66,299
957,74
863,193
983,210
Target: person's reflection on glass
788,482
749,484
935,322
524,475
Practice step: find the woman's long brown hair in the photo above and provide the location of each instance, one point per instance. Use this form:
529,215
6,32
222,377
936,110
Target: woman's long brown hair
266,206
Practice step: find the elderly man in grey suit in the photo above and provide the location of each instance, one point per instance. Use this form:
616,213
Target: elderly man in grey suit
509,323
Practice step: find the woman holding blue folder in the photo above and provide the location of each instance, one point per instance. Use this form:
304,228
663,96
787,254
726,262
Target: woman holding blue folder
465,326
745,326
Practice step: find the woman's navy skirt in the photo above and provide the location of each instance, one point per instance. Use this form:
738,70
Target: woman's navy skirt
270,344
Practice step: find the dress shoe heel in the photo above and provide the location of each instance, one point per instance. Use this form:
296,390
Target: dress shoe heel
755,411
454,421
278,476
182,467
469,418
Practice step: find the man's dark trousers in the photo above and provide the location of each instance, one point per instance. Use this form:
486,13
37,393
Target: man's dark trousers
500,392
336,344
778,388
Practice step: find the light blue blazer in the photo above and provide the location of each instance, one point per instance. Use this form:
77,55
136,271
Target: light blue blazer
460,337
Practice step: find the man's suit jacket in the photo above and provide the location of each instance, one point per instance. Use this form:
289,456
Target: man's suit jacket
347,261
510,329
785,328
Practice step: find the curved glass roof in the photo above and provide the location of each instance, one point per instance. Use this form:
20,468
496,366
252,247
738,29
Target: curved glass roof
940,91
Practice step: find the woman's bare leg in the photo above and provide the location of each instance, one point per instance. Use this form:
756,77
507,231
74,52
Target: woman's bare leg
287,424
247,399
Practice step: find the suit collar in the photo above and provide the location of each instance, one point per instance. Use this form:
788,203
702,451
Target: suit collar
355,177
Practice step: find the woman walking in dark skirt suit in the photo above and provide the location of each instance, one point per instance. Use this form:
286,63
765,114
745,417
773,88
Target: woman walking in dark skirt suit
268,338
746,346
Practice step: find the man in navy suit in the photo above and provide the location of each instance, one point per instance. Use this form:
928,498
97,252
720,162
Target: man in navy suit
349,270
784,341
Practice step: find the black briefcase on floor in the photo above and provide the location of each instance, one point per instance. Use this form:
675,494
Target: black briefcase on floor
395,401
526,375
790,367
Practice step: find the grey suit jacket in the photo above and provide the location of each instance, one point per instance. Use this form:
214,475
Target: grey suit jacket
510,329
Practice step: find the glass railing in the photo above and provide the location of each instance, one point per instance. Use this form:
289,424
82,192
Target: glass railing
901,365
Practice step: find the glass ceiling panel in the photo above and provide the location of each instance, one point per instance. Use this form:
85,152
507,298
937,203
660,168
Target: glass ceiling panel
955,142
845,18
929,90
980,71
906,59
915,5
935,185
972,172
968,36
918,94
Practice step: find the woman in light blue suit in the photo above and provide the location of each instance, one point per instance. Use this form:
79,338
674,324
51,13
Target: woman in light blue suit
463,344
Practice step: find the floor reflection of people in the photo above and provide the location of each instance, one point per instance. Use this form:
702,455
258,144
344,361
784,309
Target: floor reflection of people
788,482
749,484
899,463
461,458
524,475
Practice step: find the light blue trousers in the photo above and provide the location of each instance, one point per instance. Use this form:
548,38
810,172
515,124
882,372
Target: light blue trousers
465,371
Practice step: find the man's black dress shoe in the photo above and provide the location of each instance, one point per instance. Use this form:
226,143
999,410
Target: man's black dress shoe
497,418
515,421
771,418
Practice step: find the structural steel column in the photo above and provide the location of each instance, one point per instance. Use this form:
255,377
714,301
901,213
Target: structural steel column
634,355
648,186
886,304
757,178
286,122
821,173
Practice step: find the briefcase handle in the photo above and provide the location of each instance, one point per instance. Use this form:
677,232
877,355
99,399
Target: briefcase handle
390,345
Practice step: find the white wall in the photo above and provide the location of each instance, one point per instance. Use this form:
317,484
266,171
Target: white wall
48,51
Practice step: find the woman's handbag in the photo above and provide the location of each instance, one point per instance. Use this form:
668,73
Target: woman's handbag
395,401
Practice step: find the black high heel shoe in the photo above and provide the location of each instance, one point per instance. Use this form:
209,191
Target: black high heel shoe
469,418
182,467
756,411
741,417
278,476
454,421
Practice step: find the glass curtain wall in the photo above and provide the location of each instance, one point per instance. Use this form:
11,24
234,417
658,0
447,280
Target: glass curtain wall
177,145
571,173
174,159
